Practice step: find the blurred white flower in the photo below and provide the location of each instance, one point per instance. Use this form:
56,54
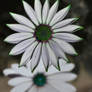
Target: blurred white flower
44,35
23,80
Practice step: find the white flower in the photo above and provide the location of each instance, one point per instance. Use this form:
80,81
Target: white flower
44,35
23,80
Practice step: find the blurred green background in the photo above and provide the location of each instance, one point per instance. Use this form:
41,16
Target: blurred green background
81,9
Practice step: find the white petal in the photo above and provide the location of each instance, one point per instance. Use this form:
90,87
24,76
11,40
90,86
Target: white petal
18,37
28,53
60,15
36,57
62,87
14,66
22,20
52,70
65,67
45,56
45,11
59,52
64,23
52,12
69,28
30,12
20,28
24,71
21,47
40,68
67,37
48,88
9,72
19,80
62,77
21,88
52,56
33,89
66,47
38,10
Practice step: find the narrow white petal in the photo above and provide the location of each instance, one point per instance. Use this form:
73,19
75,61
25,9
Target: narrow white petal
9,72
45,11
48,88
52,56
21,47
14,66
16,70
65,67
52,70
69,28
33,89
21,88
20,28
52,12
23,71
59,52
66,47
38,10
28,53
67,37
36,57
64,23
19,80
30,12
45,56
60,15
61,86
22,20
40,68
62,77
18,37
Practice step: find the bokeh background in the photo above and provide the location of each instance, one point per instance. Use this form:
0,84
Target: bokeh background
81,9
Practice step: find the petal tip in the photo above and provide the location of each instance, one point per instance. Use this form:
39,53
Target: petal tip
11,13
77,18
81,28
76,54
5,40
10,53
69,6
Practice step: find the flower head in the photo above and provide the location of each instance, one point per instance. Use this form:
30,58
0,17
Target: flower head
23,80
44,35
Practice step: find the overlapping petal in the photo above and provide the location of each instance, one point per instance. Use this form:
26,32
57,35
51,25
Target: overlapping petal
59,16
22,20
66,47
52,12
20,28
45,11
18,37
67,37
64,23
38,10
28,54
30,12
20,48
68,28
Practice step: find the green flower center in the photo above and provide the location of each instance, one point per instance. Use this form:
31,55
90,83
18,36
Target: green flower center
39,79
43,33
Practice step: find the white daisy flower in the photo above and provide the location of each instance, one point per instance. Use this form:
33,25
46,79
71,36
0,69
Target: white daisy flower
44,35
23,80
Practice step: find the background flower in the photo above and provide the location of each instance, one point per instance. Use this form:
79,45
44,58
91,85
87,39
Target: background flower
23,80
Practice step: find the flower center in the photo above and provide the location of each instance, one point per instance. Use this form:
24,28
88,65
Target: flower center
43,33
39,80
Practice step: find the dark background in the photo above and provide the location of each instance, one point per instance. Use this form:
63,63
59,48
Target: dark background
81,9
